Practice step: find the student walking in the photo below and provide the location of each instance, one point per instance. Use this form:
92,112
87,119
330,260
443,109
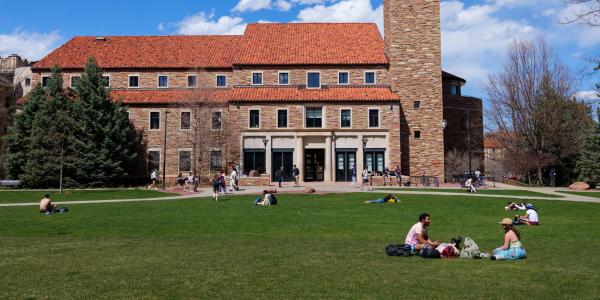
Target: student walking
216,187
233,177
354,176
296,173
153,177
365,178
281,174
398,175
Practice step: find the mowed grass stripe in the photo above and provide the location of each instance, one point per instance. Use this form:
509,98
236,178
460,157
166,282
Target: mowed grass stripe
80,195
326,246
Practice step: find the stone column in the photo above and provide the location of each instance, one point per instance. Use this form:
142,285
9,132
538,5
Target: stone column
327,159
299,156
360,157
268,157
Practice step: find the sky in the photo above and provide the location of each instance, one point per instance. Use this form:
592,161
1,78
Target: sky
475,33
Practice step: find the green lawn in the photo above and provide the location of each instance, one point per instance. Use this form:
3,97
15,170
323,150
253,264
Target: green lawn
587,194
481,191
78,195
327,246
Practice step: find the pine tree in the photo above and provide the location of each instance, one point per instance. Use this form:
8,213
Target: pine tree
105,141
588,165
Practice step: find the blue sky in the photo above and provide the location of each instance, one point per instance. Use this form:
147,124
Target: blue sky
474,32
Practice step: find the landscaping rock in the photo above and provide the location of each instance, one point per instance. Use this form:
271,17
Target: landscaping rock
254,173
309,190
580,186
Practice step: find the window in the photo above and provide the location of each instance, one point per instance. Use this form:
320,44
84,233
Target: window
154,120
370,78
75,80
221,81
254,118
282,118
186,118
417,134
453,90
216,120
345,118
134,81
417,104
106,81
192,81
153,160
257,78
343,78
284,78
463,123
254,160
215,161
163,81
313,80
373,117
27,81
45,81
314,117
375,160
185,161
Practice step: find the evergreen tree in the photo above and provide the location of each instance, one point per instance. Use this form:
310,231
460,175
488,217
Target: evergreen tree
105,141
588,165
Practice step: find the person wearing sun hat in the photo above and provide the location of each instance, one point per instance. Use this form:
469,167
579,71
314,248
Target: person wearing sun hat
512,247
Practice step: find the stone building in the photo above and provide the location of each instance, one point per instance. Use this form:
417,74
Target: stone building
326,97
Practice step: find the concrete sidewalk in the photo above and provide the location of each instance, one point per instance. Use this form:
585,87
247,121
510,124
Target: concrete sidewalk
339,188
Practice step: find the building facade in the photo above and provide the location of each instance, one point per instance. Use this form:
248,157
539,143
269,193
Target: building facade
326,97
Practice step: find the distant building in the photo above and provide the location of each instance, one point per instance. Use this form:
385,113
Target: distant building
493,156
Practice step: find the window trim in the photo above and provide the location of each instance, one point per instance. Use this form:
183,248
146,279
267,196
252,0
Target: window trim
181,118
420,104
346,108
278,77
374,77
323,114
190,150
414,135
287,118
320,83
187,79
109,80
262,78
217,81
71,80
221,127
259,113
26,81
158,81
369,109
42,80
338,77
150,119
160,157
129,81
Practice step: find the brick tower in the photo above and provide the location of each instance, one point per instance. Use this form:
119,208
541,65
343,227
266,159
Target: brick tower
413,48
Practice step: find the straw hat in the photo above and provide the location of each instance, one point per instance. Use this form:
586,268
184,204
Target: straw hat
506,221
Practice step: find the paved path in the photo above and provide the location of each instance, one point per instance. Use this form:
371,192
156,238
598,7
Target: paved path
340,188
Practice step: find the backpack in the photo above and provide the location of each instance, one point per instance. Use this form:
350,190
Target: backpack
398,250
273,200
470,249
429,252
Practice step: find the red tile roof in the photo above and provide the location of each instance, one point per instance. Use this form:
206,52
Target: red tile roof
256,94
119,52
491,142
312,44
291,94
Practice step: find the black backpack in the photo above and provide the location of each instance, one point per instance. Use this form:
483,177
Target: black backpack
273,200
429,252
398,250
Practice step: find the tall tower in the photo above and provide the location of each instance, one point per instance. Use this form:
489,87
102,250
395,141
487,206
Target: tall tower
413,48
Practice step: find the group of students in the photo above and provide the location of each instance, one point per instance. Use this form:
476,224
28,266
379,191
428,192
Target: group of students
387,176
219,185
511,249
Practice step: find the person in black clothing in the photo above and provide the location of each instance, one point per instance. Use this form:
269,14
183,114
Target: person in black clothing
296,173
281,170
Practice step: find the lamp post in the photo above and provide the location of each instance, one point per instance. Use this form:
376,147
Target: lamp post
165,152
364,141
265,142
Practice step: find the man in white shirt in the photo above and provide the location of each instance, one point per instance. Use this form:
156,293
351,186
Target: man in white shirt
530,217
417,236
233,179
469,184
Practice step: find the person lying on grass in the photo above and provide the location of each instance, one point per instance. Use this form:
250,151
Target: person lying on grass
530,217
512,248
515,206
388,198
417,236
267,199
46,205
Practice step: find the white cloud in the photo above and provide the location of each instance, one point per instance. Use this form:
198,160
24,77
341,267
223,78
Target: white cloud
281,5
202,23
252,5
30,45
344,11
587,95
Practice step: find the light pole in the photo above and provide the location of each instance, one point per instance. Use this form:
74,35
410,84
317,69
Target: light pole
165,152
265,142
364,141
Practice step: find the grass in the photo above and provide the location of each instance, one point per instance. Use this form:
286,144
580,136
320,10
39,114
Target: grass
480,191
327,246
80,195
587,194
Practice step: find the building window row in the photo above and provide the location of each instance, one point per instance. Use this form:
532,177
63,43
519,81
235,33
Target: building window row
185,120
313,78
184,159
314,118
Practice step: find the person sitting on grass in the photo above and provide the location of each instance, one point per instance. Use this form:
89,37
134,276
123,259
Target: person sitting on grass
388,198
512,248
417,237
267,199
530,217
515,206
46,206
469,184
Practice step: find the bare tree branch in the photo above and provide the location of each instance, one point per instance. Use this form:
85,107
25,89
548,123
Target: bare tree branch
587,13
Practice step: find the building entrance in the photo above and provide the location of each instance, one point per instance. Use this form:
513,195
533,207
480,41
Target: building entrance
344,161
314,164
283,158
